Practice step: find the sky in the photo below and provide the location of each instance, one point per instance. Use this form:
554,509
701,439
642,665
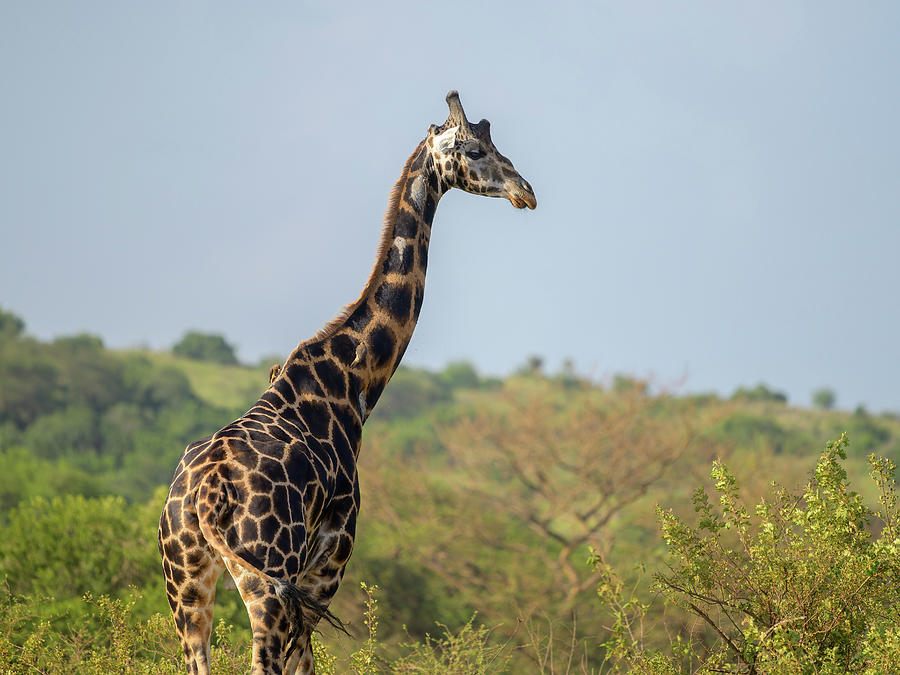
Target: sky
718,183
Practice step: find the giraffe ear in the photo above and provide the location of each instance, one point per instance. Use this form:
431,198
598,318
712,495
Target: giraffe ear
447,140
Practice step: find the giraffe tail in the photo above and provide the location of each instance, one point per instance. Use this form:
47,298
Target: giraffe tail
212,502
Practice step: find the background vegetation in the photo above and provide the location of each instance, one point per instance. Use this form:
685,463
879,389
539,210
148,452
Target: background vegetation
510,525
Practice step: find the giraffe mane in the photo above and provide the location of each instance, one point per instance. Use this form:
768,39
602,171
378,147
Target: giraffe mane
384,245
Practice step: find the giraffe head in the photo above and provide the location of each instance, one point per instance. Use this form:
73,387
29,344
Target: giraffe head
466,158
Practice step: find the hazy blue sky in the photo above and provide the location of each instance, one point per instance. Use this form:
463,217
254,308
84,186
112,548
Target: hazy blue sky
718,183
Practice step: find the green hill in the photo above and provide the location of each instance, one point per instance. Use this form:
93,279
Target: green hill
480,497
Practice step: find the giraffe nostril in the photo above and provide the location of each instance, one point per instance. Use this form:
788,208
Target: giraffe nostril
526,186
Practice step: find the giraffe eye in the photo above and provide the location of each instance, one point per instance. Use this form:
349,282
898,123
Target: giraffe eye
474,154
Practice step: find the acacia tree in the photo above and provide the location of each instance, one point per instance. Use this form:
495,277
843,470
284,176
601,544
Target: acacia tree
530,479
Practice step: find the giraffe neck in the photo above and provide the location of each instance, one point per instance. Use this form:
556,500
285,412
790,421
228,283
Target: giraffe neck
367,341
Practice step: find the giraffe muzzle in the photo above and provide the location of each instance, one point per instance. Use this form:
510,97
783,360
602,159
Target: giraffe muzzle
520,194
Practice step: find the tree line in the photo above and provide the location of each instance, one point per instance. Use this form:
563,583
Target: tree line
510,524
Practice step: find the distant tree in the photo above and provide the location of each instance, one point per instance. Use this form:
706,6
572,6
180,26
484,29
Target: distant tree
623,384
71,431
759,393
267,361
205,347
534,365
25,475
567,376
749,430
29,382
459,375
411,392
166,387
89,375
824,398
84,341
10,324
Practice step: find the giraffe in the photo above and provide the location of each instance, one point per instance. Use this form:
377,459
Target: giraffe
273,497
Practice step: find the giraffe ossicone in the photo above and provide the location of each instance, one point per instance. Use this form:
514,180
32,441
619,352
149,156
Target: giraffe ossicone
273,497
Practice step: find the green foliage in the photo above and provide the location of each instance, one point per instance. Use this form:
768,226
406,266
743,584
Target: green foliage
411,393
869,435
798,583
88,421
153,386
622,384
82,342
468,650
459,375
533,367
113,639
759,393
10,324
824,398
29,381
62,432
417,595
364,660
25,476
116,639
67,546
205,347
751,431
452,521
624,647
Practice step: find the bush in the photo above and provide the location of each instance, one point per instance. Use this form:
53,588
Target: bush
110,639
113,638
799,583
205,347
71,545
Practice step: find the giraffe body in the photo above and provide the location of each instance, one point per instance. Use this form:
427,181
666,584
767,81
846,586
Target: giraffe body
273,497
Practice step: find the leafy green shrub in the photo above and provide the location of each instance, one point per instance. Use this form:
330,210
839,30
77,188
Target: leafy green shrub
467,651
113,639
797,584
67,546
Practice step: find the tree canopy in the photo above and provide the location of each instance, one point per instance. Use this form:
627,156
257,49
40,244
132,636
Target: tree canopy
205,347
